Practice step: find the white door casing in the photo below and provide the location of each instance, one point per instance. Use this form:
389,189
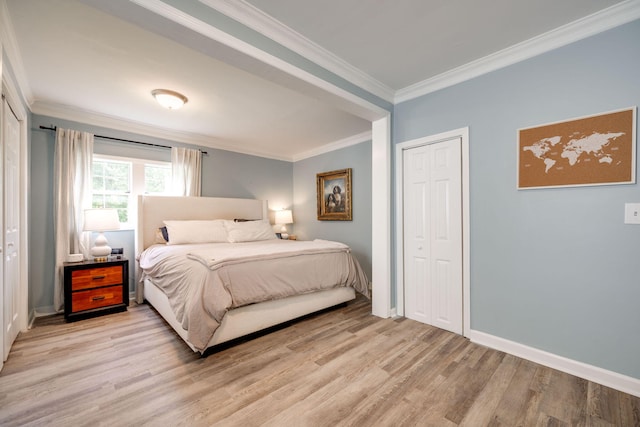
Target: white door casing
11,141
437,251
381,217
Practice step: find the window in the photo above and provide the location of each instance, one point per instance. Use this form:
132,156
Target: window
112,186
157,178
118,181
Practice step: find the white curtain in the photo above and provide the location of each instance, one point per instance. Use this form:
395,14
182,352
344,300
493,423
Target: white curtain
186,171
72,195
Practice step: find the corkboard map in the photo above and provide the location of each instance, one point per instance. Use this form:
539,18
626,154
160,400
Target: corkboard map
594,150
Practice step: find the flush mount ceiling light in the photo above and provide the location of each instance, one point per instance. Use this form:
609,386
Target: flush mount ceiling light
169,98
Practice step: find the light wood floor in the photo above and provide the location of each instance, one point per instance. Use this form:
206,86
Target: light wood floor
341,367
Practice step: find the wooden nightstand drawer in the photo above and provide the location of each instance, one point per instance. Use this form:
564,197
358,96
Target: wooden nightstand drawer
93,288
93,277
96,298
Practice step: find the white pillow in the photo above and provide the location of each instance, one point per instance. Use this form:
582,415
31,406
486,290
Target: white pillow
196,231
249,231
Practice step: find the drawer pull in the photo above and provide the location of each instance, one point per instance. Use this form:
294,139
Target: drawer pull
98,277
98,298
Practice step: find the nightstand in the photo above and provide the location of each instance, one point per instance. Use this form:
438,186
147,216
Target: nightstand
95,288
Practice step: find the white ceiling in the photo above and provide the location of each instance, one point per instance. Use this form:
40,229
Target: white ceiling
96,62
403,42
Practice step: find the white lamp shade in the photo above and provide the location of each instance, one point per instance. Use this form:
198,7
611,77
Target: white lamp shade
101,220
284,217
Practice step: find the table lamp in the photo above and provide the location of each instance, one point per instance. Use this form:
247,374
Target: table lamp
101,220
284,217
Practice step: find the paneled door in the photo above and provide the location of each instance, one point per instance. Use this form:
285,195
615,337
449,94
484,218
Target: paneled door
11,252
432,229
2,331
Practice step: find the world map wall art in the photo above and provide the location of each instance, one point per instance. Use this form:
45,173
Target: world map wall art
592,150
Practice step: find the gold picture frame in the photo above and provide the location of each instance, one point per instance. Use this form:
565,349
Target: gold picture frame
334,195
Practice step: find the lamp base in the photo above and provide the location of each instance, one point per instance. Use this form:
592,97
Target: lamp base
101,247
284,233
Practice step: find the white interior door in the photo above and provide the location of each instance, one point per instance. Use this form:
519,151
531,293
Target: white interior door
432,228
11,137
2,330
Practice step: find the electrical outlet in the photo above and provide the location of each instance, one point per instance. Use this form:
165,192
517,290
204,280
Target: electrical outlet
632,213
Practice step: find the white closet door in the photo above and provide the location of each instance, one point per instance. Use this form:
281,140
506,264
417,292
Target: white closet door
433,234
5,352
11,139
417,268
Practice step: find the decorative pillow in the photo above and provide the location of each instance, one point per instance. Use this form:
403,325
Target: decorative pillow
249,231
245,220
196,231
165,233
159,237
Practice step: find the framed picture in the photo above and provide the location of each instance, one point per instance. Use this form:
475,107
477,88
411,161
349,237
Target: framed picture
593,150
334,195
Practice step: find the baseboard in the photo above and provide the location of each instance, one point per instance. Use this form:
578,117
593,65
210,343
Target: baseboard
44,311
605,377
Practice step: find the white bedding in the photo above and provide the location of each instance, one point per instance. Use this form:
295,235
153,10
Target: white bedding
214,256
204,281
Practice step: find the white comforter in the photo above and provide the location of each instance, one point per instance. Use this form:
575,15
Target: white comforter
203,281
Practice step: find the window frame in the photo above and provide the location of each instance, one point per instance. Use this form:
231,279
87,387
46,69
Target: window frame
137,182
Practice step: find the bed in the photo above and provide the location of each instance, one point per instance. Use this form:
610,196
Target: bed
218,304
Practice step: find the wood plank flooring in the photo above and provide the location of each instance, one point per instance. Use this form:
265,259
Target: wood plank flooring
342,367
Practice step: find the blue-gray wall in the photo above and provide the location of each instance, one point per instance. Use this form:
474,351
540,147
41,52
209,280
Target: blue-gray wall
224,174
356,233
554,269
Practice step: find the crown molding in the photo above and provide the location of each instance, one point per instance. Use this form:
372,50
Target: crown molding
66,112
254,18
333,146
598,22
10,45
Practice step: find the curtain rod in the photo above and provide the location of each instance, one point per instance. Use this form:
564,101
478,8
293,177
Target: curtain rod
54,128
